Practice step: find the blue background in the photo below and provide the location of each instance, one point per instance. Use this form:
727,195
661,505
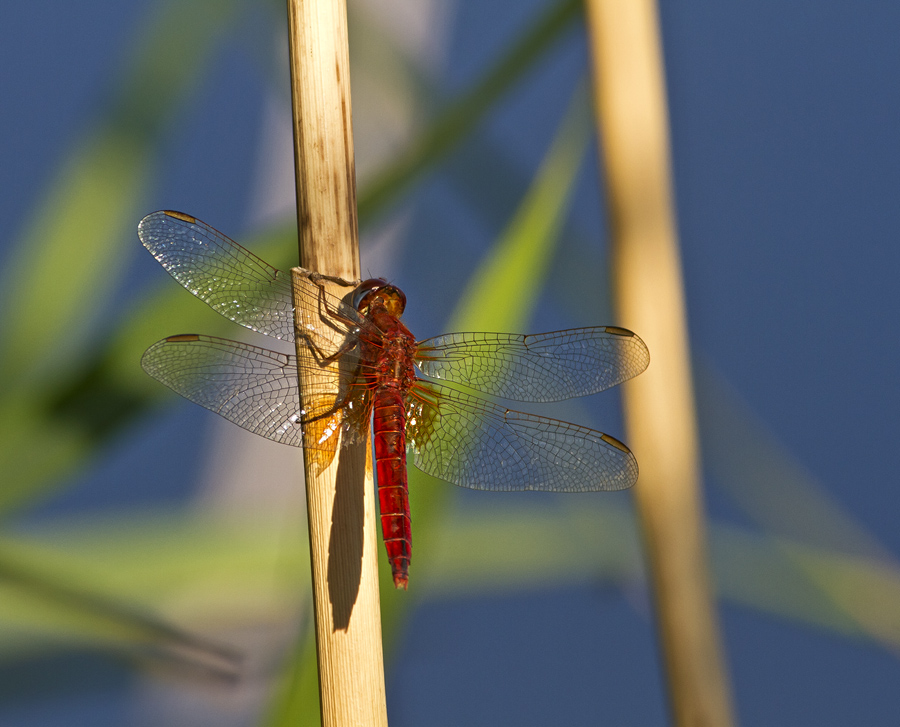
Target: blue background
784,132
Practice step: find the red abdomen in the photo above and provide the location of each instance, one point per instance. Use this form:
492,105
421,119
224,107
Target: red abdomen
388,425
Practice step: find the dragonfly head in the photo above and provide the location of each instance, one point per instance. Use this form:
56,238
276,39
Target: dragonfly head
378,290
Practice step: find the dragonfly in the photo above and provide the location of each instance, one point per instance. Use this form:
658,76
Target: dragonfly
363,372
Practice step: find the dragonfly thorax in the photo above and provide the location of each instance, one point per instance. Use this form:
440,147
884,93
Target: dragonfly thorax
392,357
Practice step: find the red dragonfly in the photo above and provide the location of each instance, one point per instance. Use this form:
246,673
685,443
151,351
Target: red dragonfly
359,366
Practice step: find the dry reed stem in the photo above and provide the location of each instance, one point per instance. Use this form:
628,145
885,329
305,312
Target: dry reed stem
340,499
659,407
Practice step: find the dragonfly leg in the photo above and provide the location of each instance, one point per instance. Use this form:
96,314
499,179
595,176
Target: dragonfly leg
320,356
330,313
334,312
326,313
331,410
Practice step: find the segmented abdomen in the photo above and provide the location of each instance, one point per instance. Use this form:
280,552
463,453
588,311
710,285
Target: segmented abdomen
389,421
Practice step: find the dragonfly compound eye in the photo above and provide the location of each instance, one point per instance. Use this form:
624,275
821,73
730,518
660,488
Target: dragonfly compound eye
365,292
378,289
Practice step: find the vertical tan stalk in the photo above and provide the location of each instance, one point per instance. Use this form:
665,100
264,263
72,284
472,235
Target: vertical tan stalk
659,408
340,499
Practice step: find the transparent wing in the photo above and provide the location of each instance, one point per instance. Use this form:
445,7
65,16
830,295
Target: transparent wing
257,389
542,367
453,436
476,444
241,286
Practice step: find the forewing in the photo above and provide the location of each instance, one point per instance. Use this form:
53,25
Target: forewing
476,444
230,279
542,367
241,286
257,389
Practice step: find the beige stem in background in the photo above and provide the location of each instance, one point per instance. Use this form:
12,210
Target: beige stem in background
629,90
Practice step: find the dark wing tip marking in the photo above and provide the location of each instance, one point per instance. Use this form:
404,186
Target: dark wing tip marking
614,442
182,338
616,331
180,216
